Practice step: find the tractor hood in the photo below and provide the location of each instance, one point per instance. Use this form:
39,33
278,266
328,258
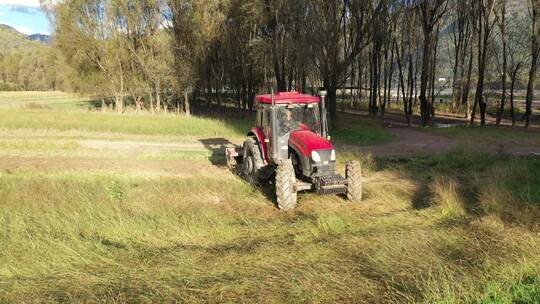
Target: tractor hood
307,141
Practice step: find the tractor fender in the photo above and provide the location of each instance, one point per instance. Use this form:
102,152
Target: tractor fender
259,136
305,164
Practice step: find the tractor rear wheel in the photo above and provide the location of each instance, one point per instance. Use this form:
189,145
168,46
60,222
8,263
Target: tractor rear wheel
353,174
285,186
253,162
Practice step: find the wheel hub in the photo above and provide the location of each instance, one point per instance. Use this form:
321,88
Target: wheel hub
248,165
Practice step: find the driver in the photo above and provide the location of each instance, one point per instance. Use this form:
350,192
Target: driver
287,122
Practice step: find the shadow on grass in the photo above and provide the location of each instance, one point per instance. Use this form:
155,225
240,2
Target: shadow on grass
216,147
471,183
241,121
347,129
94,104
422,198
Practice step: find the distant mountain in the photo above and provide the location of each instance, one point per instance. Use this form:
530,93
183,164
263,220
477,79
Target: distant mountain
13,41
45,39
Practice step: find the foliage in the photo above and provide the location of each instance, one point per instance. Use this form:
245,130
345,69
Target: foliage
13,41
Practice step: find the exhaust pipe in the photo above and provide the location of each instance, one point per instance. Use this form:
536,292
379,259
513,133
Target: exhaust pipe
274,126
324,124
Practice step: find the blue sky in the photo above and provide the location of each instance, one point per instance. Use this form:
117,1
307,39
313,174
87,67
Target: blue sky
25,16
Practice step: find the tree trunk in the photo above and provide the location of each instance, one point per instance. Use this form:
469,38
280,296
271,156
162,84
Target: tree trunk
530,91
455,74
402,84
187,109
514,76
158,96
425,110
332,105
502,26
535,49
151,100
412,82
467,87
433,71
121,95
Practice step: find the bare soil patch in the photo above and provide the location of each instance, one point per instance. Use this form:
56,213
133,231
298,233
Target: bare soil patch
411,141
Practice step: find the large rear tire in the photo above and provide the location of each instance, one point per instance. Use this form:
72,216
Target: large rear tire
285,186
253,162
353,174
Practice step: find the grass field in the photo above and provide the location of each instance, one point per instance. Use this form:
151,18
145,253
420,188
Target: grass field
98,207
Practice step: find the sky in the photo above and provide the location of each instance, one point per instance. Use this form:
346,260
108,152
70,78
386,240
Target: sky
26,16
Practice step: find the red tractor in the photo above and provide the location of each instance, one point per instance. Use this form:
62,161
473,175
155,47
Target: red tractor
289,145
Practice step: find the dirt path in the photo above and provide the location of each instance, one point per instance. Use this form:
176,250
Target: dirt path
411,141
126,154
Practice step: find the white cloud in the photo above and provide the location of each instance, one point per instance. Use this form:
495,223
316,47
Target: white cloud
25,3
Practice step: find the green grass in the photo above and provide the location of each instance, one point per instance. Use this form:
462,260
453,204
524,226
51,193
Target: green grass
103,225
85,236
355,130
45,101
36,145
53,111
144,124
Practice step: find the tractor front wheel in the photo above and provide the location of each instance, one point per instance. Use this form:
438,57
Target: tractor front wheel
353,174
285,186
253,162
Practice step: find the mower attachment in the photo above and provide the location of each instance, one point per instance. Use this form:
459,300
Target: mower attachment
332,184
234,156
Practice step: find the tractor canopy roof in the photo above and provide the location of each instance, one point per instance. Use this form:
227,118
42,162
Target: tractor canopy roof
287,97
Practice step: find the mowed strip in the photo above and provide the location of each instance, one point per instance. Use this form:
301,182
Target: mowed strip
112,156
178,168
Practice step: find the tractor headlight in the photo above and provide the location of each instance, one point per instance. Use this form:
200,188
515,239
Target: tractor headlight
315,156
333,155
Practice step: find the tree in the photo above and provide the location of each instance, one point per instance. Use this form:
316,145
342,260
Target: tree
333,53
484,26
195,26
534,9
501,23
91,36
460,34
430,14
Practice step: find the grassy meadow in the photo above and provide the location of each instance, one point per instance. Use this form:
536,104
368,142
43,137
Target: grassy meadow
102,208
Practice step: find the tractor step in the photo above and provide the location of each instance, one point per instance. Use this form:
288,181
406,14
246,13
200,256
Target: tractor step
301,186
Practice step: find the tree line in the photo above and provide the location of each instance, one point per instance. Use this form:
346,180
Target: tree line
159,55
